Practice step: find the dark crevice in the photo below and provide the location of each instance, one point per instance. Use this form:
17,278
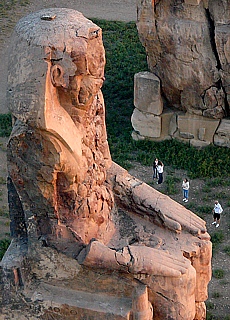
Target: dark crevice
226,104
219,85
212,38
163,296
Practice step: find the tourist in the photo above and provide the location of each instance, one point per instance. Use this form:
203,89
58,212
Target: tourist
160,169
155,172
185,188
217,210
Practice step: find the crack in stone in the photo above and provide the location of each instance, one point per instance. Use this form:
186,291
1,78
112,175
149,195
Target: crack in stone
211,25
163,296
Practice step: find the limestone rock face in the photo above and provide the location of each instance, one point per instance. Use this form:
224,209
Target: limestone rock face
89,241
188,48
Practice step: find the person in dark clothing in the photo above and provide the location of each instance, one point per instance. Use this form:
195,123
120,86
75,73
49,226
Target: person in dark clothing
155,172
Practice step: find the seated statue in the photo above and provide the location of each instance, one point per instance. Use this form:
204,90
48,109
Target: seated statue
79,221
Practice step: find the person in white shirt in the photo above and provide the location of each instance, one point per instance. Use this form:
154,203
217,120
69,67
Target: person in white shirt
160,169
217,210
185,188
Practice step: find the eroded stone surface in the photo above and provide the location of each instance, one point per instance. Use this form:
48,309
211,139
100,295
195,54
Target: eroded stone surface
147,93
81,225
187,44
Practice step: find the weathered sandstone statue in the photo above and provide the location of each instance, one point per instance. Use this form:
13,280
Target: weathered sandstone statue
89,240
188,50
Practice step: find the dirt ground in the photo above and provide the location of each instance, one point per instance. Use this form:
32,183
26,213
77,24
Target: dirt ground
123,10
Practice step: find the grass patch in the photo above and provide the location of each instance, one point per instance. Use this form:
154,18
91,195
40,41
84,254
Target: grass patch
2,180
216,295
216,238
210,316
227,250
221,195
200,210
207,189
4,244
5,125
4,212
210,305
171,187
204,209
218,273
191,206
8,5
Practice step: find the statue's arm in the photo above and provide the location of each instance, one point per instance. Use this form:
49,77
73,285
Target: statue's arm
138,197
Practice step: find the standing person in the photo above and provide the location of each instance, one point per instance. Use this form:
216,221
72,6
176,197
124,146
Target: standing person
217,210
155,172
185,187
160,169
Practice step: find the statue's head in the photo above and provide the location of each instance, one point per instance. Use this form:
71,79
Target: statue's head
56,70
59,46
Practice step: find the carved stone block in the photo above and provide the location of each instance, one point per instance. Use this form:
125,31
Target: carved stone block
147,93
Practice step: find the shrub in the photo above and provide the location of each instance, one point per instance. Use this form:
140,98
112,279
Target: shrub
4,244
216,295
221,195
227,250
210,305
206,189
217,237
204,209
2,180
5,125
170,182
210,316
218,273
4,212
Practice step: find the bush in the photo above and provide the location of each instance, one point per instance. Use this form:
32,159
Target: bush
218,273
171,187
210,316
210,305
204,209
216,295
217,237
4,244
5,125
227,250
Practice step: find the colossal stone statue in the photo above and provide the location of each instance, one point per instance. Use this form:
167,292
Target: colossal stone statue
187,45
89,240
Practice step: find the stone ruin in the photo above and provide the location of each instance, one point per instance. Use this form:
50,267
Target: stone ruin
188,53
89,241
